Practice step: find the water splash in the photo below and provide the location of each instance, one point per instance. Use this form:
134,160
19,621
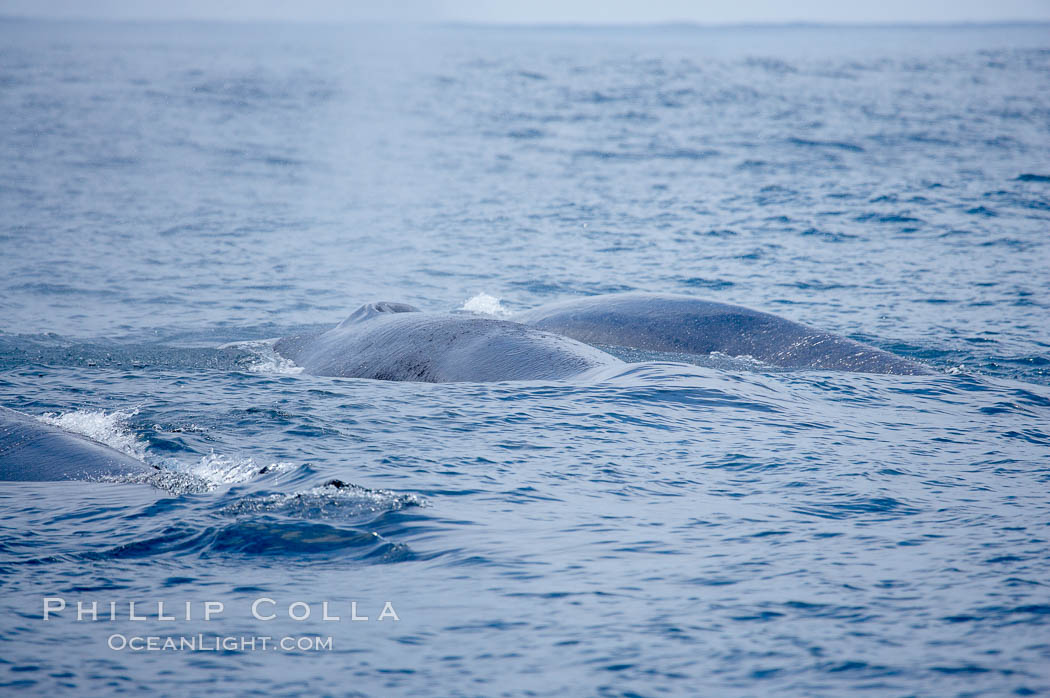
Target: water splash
332,500
208,473
485,304
109,428
217,469
264,358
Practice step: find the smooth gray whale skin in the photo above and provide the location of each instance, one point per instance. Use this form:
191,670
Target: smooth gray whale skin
394,341
33,451
683,324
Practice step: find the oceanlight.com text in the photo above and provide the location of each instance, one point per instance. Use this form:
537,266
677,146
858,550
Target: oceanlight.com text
218,643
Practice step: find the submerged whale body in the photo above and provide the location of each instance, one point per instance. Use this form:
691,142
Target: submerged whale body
33,451
683,324
394,341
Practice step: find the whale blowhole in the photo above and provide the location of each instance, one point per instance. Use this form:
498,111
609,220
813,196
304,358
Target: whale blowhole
370,310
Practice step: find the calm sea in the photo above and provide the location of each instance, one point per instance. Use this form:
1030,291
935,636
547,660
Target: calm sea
717,529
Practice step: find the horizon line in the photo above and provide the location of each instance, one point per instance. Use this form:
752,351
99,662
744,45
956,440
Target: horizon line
542,24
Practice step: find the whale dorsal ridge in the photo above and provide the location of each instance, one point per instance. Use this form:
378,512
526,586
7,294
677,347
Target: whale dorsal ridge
370,310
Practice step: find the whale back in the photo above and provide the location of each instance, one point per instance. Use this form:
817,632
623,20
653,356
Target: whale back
33,451
407,345
683,324
300,347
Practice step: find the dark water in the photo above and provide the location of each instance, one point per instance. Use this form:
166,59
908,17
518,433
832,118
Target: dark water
672,529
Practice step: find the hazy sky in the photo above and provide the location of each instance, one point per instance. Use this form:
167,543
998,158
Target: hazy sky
598,11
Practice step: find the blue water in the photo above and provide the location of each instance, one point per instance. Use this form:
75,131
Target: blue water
675,529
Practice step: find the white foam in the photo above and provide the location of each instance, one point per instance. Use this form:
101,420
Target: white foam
485,304
109,428
267,360
217,469
210,472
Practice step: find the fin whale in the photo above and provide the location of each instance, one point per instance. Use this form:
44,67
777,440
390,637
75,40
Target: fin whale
394,341
33,451
688,325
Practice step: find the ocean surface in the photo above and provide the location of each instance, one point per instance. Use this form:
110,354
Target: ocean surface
173,195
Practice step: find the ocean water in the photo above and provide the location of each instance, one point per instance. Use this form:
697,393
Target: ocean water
174,194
